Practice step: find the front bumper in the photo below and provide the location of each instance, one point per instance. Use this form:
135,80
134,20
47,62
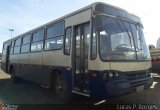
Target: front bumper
119,87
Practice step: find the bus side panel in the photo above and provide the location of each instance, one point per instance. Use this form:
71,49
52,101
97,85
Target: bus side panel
24,70
35,66
55,60
15,63
79,18
3,60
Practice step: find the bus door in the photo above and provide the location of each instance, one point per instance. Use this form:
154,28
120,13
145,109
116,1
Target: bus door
7,58
80,58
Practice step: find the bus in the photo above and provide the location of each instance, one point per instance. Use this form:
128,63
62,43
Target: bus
155,58
98,51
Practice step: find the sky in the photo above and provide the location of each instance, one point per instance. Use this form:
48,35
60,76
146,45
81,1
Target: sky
24,15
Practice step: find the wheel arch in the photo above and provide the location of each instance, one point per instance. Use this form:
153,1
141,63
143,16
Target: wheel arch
54,74
63,72
10,68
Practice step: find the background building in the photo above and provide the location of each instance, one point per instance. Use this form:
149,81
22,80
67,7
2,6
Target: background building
158,43
0,58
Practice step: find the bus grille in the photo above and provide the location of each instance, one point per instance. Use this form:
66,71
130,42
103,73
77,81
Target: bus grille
134,79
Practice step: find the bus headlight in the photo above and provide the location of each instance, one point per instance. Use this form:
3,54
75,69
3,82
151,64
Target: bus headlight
148,72
105,76
110,74
116,74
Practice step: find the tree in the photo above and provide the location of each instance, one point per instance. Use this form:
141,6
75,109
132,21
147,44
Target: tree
151,47
0,56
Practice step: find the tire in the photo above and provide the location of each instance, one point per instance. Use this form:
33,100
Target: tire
60,89
13,76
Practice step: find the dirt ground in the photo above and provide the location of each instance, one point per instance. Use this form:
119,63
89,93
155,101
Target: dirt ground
31,93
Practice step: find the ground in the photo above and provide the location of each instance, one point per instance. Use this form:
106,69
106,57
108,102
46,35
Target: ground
31,93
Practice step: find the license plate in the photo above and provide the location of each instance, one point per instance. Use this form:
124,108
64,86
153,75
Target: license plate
140,88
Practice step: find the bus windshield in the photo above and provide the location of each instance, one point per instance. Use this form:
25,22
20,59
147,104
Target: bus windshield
121,40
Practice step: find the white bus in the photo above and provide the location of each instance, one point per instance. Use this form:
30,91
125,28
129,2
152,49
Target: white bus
98,51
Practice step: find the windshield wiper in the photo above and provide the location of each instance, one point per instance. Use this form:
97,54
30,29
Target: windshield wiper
128,34
125,29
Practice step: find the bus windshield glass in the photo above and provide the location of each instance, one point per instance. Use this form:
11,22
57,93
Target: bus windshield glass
121,40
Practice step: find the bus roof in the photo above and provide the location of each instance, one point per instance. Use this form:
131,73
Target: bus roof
92,6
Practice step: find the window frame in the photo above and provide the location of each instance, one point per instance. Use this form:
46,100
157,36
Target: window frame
96,35
36,32
53,38
62,35
12,44
52,25
36,50
12,48
19,49
24,45
115,60
44,29
16,40
27,36
4,46
64,41
17,45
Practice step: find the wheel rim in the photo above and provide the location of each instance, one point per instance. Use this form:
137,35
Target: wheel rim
12,73
60,85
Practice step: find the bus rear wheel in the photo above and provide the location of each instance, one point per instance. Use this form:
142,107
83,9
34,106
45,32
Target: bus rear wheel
13,76
61,91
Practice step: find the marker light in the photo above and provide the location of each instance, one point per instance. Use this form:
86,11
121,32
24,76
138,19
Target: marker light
110,74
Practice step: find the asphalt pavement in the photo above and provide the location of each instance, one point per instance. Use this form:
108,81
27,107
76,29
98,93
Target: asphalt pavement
31,93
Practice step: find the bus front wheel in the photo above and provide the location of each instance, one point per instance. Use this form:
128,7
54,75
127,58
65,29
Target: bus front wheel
61,89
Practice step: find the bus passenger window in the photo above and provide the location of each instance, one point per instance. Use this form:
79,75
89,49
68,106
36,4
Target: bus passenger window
55,34
26,39
54,43
17,46
37,46
37,42
4,48
25,48
11,51
55,30
18,42
26,43
17,50
67,41
38,36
